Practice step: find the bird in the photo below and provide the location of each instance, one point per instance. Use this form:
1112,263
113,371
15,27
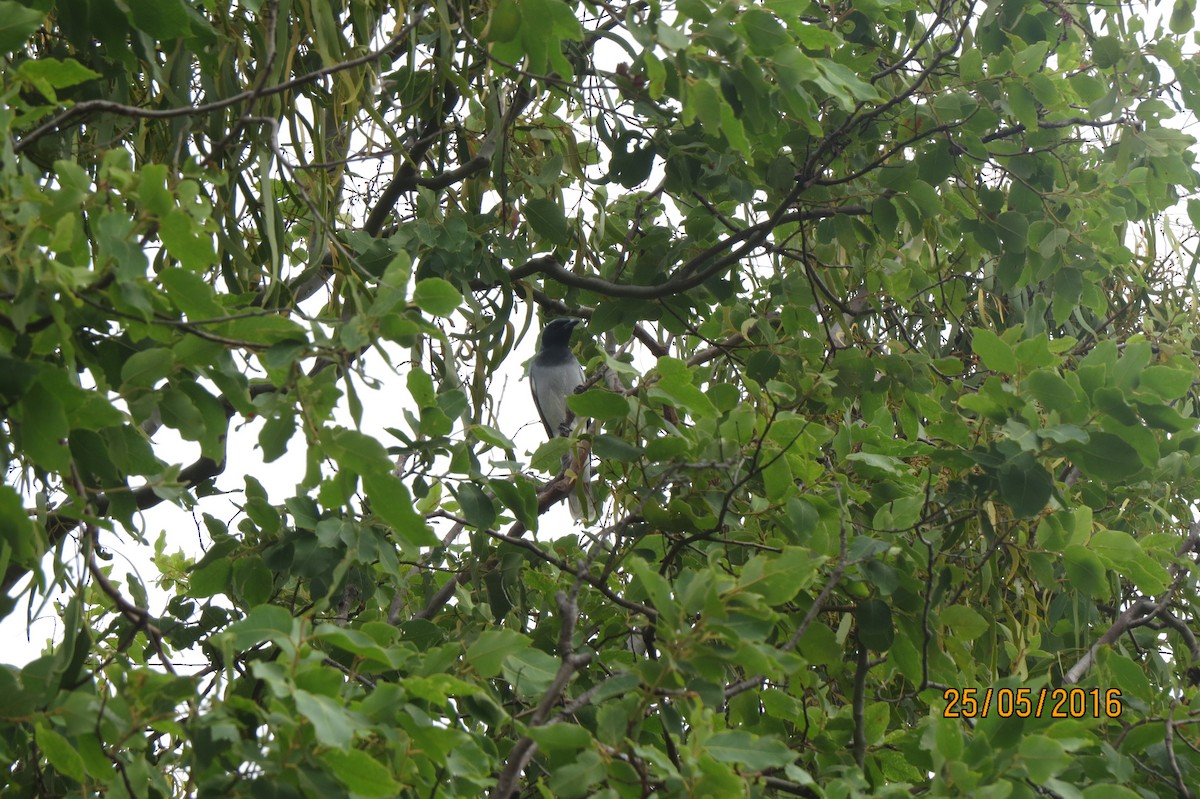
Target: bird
554,375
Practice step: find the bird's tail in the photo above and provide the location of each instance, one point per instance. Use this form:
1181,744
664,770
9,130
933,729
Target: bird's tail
580,501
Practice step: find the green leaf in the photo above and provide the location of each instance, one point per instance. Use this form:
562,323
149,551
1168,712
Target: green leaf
55,73
597,403
530,671
1030,60
653,585
1034,352
152,190
1128,676
561,737
1111,400
617,685
519,496
88,410
504,23
1107,457
763,32
995,353
180,413
702,102
875,628
547,219
364,646
926,198
362,774
576,778
656,73
882,576
191,294
438,688
548,456
162,19
356,451
1043,757
490,435
44,428
60,753
1183,16
963,622
275,435
565,24
1109,791
1106,50
843,84
436,296
778,481
332,724
778,578
185,240
1168,382
1054,393
209,579
391,500
265,623
17,529
477,506
1013,229
267,330
492,647
420,386
970,64
253,582
753,752
733,130
1086,571
612,448
145,368
887,464
17,23
676,383
1025,485
1126,557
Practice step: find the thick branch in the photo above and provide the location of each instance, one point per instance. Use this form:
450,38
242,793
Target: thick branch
685,277
1140,612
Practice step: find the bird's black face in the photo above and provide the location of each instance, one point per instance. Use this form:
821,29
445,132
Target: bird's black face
558,331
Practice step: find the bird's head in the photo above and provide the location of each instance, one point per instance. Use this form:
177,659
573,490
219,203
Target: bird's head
557,332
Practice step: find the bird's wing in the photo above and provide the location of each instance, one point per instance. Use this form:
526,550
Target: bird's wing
537,403
557,382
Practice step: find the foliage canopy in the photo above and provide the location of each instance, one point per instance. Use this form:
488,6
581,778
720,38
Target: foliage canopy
895,409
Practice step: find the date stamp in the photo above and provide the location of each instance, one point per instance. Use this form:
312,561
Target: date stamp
1055,703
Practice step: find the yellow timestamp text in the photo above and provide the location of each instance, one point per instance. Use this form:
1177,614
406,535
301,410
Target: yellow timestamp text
1055,703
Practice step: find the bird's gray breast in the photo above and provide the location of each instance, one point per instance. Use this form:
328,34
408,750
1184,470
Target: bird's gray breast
554,379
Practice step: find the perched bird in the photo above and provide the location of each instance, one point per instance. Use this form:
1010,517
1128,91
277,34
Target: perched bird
554,375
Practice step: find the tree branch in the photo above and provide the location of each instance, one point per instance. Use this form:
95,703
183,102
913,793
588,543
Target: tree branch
684,278
525,748
136,112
